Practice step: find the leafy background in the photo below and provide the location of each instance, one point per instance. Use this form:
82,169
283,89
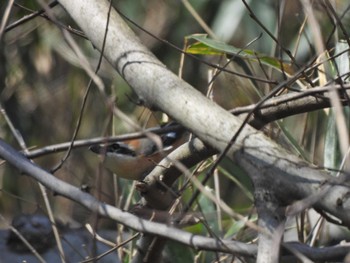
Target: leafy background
42,89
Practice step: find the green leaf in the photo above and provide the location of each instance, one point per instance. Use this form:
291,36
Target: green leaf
207,46
331,149
342,61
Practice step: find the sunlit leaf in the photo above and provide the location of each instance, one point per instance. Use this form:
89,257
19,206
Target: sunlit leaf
331,149
342,61
207,46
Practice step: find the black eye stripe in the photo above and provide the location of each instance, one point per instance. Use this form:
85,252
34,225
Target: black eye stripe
120,148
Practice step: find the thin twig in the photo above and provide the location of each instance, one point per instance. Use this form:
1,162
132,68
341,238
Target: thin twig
41,13
22,143
5,17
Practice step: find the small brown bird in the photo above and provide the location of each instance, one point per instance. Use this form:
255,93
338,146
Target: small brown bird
133,159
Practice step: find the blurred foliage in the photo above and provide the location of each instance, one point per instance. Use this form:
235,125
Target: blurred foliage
43,84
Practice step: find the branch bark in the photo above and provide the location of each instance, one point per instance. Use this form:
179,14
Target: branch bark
145,226
285,177
289,177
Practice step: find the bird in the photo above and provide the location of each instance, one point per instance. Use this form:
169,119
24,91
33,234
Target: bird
134,158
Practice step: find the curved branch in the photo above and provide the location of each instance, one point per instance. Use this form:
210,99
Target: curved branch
62,188
292,104
196,241
289,177
88,142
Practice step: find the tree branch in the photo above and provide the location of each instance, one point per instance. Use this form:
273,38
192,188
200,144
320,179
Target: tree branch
145,226
286,177
60,187
290,177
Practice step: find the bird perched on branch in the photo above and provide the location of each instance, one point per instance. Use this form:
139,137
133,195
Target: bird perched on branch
133,159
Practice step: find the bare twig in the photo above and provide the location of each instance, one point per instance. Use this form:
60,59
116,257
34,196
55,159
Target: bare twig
41,13
5,17
62,188
43,191
88,142
25,242
145,226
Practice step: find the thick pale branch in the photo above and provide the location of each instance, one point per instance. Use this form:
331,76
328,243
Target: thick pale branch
292,104
199,242
160,89
62,188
